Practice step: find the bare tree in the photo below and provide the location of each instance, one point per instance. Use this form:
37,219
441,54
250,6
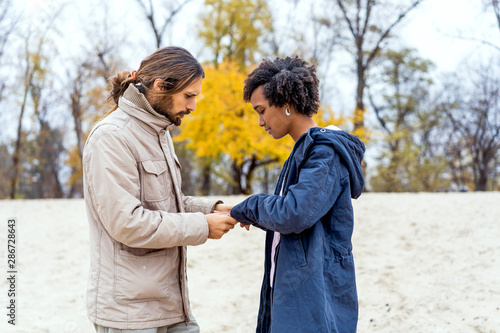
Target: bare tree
368,37
5,169
495,4
32,62
475,125
28,80
87,77
103,44
314,36
77,86
173,7
99,60
48,146
7,25
400,96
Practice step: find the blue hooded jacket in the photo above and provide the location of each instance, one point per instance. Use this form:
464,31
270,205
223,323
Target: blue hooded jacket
314,284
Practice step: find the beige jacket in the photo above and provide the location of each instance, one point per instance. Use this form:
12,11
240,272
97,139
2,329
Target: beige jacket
140,222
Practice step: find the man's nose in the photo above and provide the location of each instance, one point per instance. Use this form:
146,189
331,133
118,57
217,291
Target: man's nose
191,105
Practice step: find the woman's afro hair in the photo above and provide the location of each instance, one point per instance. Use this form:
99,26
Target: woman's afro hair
286,81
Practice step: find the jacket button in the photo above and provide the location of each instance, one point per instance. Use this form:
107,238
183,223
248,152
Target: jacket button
144,267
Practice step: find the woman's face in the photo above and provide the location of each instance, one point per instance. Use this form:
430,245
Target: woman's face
272,118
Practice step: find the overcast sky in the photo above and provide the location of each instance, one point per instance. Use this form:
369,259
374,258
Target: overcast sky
434,29
429,27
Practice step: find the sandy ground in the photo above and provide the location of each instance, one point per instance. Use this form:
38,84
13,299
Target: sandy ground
424,263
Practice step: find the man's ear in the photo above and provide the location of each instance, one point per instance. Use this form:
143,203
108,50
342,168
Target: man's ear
158,85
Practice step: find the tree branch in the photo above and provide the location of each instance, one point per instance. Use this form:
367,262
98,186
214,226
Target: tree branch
374,52
378,111
485,42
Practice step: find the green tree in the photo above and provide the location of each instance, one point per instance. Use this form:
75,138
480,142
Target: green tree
369,25
409,160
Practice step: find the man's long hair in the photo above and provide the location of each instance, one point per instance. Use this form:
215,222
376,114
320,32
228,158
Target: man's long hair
175,66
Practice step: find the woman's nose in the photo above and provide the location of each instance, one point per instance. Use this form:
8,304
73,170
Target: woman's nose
261,121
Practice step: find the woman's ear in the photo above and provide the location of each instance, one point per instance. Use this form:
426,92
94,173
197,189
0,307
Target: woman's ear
287,111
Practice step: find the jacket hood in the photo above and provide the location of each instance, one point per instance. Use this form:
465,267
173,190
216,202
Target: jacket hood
350,149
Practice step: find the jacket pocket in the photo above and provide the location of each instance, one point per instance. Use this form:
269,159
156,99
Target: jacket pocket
156,184
299,250
142,278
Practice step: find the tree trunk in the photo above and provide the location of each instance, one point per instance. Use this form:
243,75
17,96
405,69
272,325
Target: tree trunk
236,188
17,149
359,112
206,172
482,179
76,110
249,176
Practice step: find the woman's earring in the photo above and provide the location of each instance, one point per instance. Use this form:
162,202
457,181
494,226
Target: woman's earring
287,111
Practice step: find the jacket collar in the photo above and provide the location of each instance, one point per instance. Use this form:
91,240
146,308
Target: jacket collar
303,144
137,106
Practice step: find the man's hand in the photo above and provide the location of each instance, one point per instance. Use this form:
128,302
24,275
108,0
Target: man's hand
223,208
219,224
226,209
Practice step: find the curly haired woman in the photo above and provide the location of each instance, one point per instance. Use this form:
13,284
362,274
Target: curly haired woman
309,282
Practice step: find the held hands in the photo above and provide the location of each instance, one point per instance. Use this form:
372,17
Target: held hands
225,209
219,223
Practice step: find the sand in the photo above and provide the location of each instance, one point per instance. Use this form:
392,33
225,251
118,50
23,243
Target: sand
424,263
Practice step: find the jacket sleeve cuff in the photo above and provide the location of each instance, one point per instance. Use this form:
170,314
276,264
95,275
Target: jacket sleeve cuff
194,229
215,204
201,205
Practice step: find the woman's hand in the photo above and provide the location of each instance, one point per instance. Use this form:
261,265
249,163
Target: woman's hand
246,226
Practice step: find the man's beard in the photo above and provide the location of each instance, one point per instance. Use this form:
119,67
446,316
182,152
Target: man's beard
164,106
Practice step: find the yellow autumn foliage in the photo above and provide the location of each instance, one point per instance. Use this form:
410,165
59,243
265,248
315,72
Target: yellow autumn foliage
75,163
223,124
361,131
232,29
